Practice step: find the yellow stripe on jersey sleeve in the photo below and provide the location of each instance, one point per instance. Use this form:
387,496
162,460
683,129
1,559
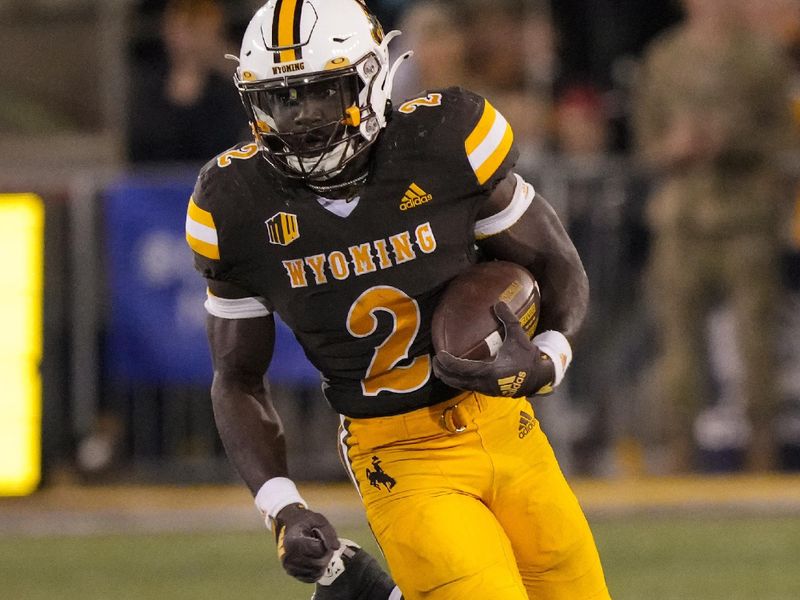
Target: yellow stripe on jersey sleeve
489,143
482,128
201,233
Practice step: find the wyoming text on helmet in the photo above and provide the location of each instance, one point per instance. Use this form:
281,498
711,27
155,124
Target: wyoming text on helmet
292,49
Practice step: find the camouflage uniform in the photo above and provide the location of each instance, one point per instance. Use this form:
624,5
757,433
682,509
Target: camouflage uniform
714,217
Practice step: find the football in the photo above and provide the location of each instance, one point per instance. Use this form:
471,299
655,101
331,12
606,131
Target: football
464,323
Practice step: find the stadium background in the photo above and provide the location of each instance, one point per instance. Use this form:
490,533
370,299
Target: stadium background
114,480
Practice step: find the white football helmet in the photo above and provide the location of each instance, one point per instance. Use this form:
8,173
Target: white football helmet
295,48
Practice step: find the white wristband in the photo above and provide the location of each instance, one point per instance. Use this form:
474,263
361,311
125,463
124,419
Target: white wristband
556,346
275,494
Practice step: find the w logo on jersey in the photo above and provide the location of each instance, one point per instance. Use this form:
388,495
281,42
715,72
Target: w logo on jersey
282,228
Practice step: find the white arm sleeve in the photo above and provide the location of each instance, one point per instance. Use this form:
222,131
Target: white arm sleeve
236,308
491,225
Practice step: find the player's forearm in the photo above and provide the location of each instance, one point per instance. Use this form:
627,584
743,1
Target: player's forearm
539,242
250,430
565,295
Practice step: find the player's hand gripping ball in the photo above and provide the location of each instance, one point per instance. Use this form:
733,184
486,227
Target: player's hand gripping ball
482,330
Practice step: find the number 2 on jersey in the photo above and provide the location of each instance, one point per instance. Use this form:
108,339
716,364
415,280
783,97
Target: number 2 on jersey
243,153
411,105
383,373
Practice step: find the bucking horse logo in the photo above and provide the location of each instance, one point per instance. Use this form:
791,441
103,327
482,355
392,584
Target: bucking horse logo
378,476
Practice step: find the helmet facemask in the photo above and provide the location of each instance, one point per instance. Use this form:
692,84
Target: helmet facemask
308,126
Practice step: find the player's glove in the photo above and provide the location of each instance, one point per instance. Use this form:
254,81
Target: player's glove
306,542
521,367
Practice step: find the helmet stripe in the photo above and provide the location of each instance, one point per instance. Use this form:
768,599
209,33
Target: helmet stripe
286,29
275,22
298,12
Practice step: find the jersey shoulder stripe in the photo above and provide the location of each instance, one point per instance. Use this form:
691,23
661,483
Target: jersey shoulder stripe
488,143
201,232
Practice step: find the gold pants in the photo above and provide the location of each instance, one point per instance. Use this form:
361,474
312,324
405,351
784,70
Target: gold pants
466,500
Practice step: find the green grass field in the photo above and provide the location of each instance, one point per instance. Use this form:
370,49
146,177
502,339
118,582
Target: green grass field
652,558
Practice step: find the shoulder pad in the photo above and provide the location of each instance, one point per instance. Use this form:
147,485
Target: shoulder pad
463,123
217,179
450,106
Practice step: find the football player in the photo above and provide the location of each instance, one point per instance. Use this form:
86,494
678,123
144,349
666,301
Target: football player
347,217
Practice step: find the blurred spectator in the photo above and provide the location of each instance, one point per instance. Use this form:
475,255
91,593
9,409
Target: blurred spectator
776,19
530,113
435,31
185,109
579,141
603,217
711,117
51,88
539,38
581,124
497,50
530,108
780,20
511,59
601,40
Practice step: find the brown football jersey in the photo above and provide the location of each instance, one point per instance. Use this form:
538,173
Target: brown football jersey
358,291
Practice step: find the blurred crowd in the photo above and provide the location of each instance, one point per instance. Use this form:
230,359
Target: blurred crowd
671,127
512,51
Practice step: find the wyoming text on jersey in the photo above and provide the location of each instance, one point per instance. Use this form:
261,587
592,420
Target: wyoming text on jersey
365,258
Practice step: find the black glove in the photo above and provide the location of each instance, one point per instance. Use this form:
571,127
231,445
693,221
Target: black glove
518,369
306,541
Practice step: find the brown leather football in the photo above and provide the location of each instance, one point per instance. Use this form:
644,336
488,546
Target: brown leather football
464,323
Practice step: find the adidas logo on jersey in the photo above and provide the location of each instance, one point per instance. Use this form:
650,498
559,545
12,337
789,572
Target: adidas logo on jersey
525,424
415,196
510,385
